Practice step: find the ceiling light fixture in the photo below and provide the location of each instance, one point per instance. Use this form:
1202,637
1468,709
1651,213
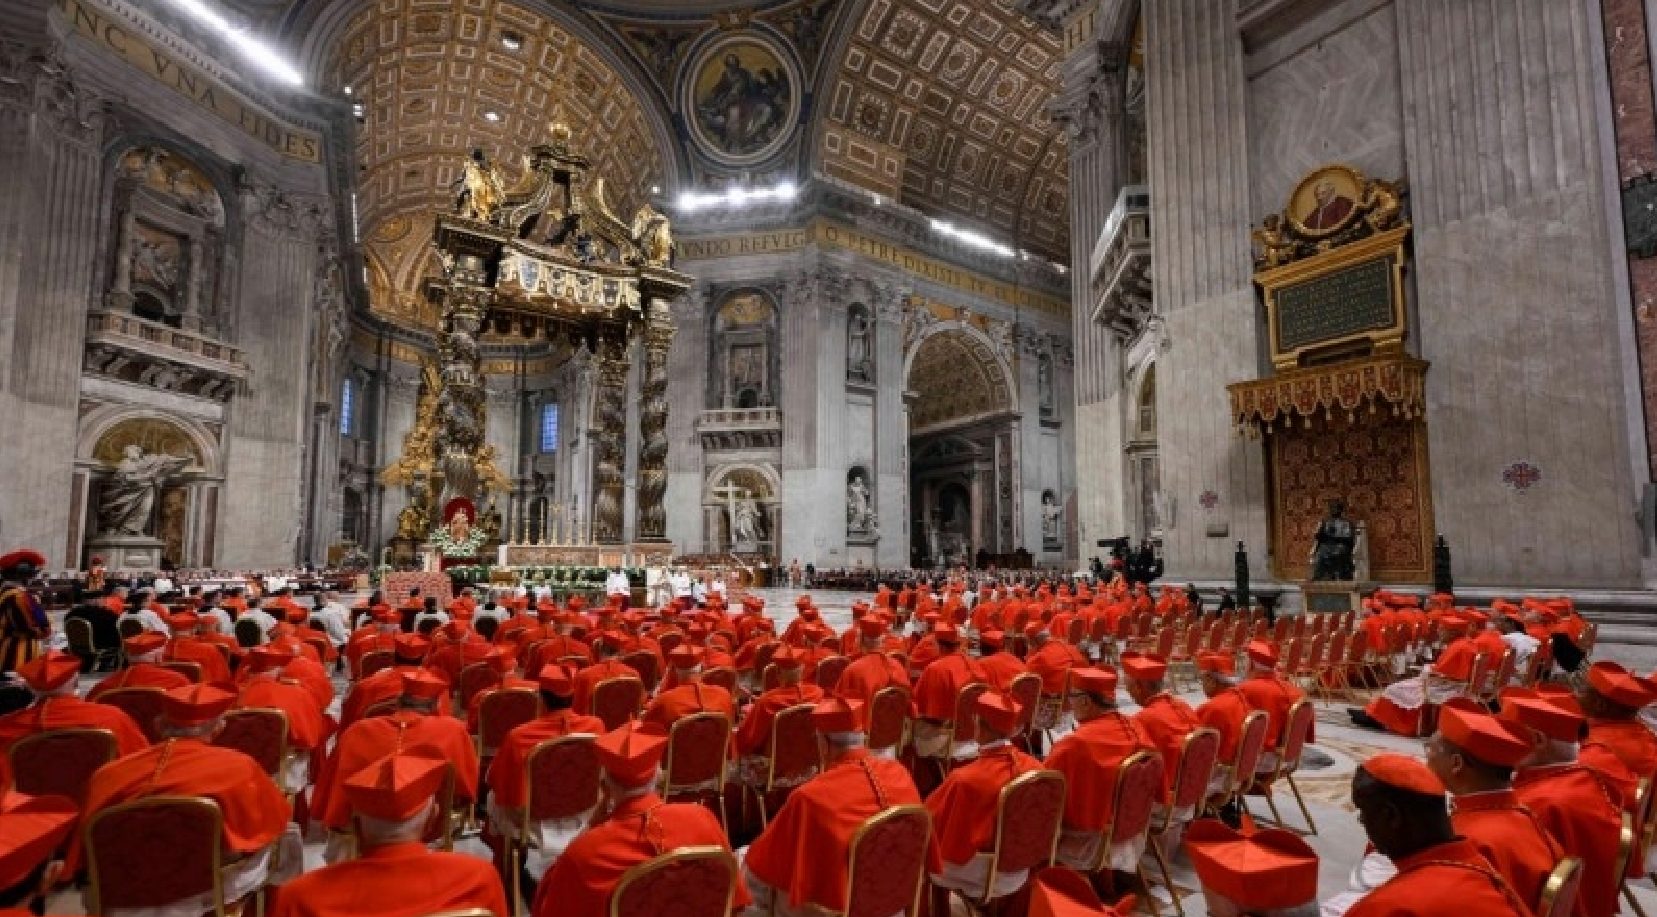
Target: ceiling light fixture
511,41
973,239
262,54
491,116
737,196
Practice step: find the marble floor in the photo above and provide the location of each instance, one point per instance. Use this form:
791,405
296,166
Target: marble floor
1324,783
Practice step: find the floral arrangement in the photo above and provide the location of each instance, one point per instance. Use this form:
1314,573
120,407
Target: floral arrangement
449,547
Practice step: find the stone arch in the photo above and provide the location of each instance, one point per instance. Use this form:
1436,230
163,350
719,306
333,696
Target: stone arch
145,425
958,375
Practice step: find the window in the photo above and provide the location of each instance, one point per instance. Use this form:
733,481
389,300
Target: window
549,428
347,407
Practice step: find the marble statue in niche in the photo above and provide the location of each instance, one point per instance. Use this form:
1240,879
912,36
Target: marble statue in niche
859,365
127,502
1044,382
860,516
747,528
1051,517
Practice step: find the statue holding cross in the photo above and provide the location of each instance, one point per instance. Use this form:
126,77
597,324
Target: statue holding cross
743,515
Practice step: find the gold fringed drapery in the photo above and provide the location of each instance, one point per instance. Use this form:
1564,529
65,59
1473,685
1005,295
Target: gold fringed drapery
1392,382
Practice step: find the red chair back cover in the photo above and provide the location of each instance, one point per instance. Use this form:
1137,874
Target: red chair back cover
142,704
374,662
475,678
696,747
670,641
617,700
503,710
60,762
888,859
180,840
260,734
1165,641
1197,759
966,722
723,676
1560,892
190,670
1027,820
690,882
794,746
1250,745
1026,687
562,776
828,671
763,654
1137,779
1295,733
887,716
644,662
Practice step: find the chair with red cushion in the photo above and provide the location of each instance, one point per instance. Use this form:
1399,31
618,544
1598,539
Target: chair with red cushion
190,670
1137,780
888,718
501,711
828,671
60,762
474,679
1040,712
888,863
644,662
791,759
1198,755
142,704
1027,819
560,781
1297,730
1559,893
697,749
688,882
617,700
670,641
723,675
180,837
1251,744
374,661
261,733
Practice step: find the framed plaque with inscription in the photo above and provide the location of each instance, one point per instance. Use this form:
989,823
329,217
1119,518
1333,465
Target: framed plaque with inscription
1344,302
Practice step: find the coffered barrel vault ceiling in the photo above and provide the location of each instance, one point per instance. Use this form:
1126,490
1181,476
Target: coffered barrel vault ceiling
436,79
942,104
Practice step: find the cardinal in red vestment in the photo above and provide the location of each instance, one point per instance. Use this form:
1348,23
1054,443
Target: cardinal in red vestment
1401,806
395,875
32,828
964,807
637,826
1579,805
801,859
52,678
1089,759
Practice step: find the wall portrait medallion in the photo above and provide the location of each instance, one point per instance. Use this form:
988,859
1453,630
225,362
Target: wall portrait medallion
741,98
1326,201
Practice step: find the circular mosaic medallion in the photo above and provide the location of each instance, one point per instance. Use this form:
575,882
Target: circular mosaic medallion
741,98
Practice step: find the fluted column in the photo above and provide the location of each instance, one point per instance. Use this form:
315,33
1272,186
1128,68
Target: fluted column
891,472
50,173
1201,273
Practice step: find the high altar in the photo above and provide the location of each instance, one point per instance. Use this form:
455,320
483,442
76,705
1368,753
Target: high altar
1344,411
544,257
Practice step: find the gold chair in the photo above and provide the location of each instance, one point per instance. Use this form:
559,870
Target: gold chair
890,846
1559,893
60,762
1198,755
694,767
1028,815
181,840
1296,731
560,781
142,704
684,882
792,758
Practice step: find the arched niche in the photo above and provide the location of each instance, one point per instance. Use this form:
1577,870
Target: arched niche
743,340
186,509
957,377
168,253
728,492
